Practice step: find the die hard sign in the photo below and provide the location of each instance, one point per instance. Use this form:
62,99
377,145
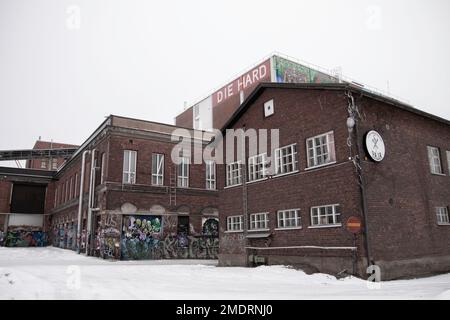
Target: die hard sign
246,83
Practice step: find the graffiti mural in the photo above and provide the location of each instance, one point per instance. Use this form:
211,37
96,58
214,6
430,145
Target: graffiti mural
291,72
211,227
142,238
64,236
25,237
139,235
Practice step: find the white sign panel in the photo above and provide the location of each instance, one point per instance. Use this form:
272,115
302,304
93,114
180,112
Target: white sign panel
375,146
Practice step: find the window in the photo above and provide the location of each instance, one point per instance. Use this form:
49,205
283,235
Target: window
326,215
157,169
66,197
197,117
442,215
234,223
71,188
257,167
434,159
103,172
129,166
259,221
183,172
43,164
285,161
210,175
54,164
183,225
320,150
289,219
448,161
56,198
268,108
76,185
234,174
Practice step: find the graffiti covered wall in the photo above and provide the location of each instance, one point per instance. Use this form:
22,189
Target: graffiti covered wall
64,236
292,72
139,235
143,238
109,237
25,237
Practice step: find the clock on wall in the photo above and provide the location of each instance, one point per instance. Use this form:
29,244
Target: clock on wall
375,146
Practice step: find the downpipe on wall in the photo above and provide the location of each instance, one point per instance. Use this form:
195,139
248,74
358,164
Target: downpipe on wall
80,199
354,115
89,240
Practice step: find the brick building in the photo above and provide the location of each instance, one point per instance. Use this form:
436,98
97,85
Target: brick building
215,110
47,163
136,203
295,211
343,152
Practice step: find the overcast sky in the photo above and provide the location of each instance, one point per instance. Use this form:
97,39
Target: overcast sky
65,65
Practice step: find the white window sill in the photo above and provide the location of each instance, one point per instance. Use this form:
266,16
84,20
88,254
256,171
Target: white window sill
438,174
320,165
326,226
291,228
285,174
233,231
232,186
258,230
258,180
443,224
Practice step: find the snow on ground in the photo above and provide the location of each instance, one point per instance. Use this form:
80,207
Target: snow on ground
53,273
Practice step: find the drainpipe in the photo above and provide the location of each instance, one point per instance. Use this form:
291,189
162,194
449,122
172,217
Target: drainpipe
90,202
362,182
80,199
362,186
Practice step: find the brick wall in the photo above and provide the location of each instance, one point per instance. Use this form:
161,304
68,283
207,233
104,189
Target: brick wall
401,192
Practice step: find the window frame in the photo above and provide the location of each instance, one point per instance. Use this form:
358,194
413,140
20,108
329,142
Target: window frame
103,168
254,224
282,214
183,173
255,167
336,216
280,159
231,223
237,170
158,176
442,216
331,150
210,174
76,192
71,188
447,152
129,176
432,157
54,164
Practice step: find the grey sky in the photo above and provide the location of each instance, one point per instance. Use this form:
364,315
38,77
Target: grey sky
144,59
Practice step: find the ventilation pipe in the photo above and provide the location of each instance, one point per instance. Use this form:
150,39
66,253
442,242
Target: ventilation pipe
80,199
90,202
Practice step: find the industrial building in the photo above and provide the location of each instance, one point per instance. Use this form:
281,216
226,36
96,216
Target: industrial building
345,156
214,111
357,179
119,195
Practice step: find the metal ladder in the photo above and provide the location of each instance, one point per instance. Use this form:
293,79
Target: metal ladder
173,186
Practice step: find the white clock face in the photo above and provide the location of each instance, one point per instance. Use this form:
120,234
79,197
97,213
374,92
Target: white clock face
375,146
